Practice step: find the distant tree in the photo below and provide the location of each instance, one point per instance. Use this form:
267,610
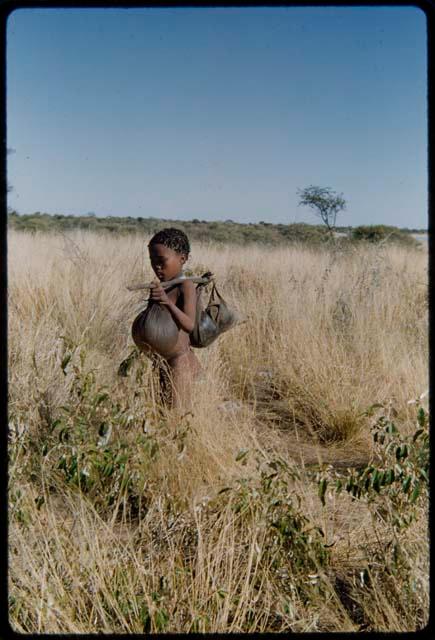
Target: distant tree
325,202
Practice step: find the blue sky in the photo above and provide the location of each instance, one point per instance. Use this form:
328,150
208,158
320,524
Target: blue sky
218,113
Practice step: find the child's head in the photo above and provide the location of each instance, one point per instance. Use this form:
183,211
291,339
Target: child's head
169,249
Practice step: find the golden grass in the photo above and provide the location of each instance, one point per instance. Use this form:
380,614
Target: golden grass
327,334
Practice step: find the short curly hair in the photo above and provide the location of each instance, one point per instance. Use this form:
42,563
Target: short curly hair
172,238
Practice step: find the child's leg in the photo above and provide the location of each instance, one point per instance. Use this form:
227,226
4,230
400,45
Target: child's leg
184,369
165,383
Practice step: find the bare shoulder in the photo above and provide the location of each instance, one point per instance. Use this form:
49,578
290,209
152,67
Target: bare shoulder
188,287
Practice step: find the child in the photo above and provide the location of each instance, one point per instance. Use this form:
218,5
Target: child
169,250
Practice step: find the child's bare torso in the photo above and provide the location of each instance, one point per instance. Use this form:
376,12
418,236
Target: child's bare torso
183,364
182,345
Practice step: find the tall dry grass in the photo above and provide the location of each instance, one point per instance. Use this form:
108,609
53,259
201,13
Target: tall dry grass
327,334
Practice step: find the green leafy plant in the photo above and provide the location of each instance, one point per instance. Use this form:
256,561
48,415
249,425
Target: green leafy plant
399,470
96,443
394,487
292,543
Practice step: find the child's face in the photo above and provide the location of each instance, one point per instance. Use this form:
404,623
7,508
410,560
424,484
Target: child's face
166,263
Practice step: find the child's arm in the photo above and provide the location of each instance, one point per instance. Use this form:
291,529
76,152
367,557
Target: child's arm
186,317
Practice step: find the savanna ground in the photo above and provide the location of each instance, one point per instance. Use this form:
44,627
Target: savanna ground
292,498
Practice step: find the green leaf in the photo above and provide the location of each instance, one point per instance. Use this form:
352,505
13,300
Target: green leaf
406,484
161,619
415,493
424,475
145,619
421,417
389,476
242,454
108,470
104,427
417,434
399,471
101,398
364,575
376,482
322,490
63,434
391,429
65,360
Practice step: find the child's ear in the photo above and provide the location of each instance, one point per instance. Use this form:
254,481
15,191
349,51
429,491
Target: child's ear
183,258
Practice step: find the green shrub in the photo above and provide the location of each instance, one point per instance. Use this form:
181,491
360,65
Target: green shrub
227,232
293,545
395,488
398,472
93,443
382,233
